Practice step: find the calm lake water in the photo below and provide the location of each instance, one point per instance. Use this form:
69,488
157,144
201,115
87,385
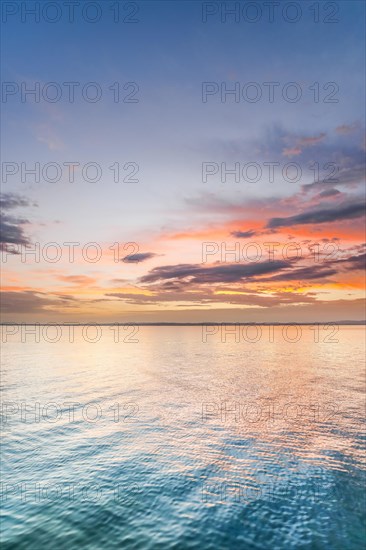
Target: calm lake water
177,438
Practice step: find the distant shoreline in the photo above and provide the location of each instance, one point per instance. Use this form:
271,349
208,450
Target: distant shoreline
131,323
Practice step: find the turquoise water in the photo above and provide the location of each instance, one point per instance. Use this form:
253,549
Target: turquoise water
180,440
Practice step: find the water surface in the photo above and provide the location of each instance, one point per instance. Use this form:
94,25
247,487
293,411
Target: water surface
173,439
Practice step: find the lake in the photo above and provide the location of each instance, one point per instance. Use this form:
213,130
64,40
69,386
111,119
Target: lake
183,437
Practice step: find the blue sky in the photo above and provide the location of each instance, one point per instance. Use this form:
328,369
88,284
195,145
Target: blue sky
170,132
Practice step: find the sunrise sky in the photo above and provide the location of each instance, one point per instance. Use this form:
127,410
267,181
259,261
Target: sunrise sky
163,135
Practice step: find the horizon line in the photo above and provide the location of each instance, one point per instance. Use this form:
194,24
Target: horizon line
182,324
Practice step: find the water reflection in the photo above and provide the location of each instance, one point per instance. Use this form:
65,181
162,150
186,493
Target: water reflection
184,439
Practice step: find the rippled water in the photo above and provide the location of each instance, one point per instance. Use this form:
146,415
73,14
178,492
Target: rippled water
177,442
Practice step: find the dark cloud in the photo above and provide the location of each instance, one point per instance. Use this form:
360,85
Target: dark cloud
208,296
140,257
329,193
350,175
11,230
306,273
228,283
9,201
356,262
337,213
227,273
344,150
243,234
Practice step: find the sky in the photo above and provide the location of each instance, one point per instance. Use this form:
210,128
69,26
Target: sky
178,163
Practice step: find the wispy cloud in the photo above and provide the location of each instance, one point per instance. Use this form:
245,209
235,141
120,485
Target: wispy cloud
337,213
139,257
